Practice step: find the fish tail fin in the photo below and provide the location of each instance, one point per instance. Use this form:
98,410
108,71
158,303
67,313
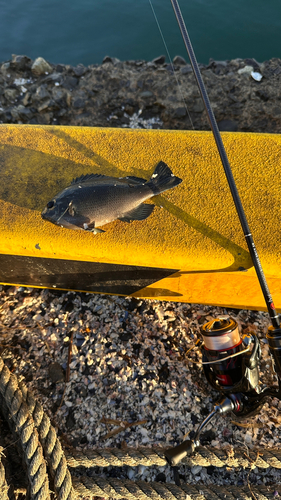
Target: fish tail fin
163,179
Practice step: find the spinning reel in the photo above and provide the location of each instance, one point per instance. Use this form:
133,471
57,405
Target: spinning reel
230,361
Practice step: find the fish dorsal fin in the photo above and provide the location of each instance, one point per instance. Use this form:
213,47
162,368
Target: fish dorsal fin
86,178
140,213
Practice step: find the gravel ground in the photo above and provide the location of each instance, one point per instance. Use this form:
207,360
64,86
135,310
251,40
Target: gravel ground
130,365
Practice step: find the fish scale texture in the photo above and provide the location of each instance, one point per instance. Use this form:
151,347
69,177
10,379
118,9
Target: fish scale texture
94,200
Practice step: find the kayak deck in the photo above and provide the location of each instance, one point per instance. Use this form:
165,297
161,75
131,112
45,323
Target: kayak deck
190,249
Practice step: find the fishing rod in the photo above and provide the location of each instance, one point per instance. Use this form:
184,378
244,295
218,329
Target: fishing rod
236,198
230,361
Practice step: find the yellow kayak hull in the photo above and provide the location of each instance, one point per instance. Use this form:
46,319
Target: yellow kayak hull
190,249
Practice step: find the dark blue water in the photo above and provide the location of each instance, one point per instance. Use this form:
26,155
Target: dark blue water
84,31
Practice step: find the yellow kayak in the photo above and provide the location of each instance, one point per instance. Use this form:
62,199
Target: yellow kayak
190,249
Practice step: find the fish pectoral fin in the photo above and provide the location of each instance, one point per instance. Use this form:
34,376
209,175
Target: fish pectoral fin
97,230
140,213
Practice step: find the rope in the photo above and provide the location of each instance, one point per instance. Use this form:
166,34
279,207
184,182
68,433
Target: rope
51,445
115,488
263,458
34,431
24,427
3,483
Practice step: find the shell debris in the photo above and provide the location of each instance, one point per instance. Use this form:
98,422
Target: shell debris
130,382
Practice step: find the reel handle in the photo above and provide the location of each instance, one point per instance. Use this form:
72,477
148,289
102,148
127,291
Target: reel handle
177,453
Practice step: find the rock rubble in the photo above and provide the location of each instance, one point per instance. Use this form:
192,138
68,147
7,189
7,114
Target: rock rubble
152,94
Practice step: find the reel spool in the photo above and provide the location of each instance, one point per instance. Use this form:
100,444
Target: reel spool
230,365
221,340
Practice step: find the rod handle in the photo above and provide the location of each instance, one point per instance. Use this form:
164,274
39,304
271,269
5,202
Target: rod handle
177,453
274,342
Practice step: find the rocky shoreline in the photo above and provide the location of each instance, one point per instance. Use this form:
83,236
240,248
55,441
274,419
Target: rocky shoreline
245,95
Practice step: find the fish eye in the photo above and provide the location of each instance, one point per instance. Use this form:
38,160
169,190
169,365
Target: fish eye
50,204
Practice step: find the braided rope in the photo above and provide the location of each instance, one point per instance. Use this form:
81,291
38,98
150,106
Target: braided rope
27,416
115,488
3,483
51,445
263,458
24,426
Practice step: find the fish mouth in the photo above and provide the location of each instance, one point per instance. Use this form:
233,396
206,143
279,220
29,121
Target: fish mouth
65,221
49,211
48,217
44,214
51,217
55,220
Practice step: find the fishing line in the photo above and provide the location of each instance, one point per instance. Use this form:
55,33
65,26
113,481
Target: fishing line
171,63
68,206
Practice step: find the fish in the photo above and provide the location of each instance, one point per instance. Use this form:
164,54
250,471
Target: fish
93,200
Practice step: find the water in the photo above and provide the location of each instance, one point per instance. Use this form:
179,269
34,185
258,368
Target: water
84,31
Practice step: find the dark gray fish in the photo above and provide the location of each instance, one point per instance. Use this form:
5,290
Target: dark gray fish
93,200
